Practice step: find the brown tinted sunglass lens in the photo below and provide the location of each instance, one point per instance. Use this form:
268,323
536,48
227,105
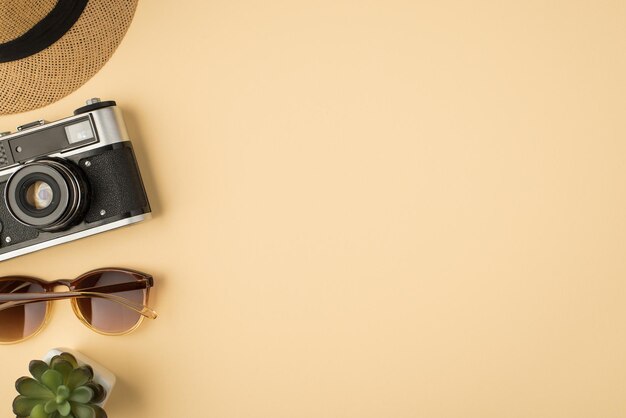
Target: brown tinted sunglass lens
21,321
105,315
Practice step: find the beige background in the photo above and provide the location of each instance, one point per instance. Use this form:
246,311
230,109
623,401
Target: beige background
365,209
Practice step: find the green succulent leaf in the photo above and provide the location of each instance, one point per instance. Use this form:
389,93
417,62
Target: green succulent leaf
52,379
50,406
63,393
69,358
88,411
37,368
99,411
64,367
79,377
22,405
38,412
82,394
84,411
33,389
99,393
64,409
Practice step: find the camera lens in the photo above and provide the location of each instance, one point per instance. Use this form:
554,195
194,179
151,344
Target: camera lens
49,194
39,195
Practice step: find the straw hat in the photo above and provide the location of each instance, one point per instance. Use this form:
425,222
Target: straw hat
49,48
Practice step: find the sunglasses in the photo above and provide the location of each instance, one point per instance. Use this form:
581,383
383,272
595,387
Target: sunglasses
110,301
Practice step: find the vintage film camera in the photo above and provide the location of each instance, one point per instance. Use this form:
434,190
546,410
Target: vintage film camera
68,179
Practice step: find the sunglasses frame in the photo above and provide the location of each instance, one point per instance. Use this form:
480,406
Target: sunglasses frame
49,295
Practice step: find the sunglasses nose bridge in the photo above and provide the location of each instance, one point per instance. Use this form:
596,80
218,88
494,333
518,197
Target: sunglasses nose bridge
62,283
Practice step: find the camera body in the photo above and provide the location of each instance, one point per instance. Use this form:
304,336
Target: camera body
68,179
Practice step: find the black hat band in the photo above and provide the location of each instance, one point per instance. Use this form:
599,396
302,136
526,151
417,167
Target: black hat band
46,32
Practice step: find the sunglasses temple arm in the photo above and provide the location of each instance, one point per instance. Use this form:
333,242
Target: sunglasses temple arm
139,308
21,299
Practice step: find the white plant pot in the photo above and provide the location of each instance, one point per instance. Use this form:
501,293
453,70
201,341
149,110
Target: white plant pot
101,375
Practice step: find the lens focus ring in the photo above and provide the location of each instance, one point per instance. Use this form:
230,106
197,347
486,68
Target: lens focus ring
63,204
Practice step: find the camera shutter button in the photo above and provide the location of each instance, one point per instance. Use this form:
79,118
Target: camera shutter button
94,104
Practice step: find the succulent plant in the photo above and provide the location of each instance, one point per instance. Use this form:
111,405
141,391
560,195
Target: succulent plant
61,389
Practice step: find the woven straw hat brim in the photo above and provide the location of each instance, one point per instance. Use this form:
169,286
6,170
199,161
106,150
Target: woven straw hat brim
58,70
